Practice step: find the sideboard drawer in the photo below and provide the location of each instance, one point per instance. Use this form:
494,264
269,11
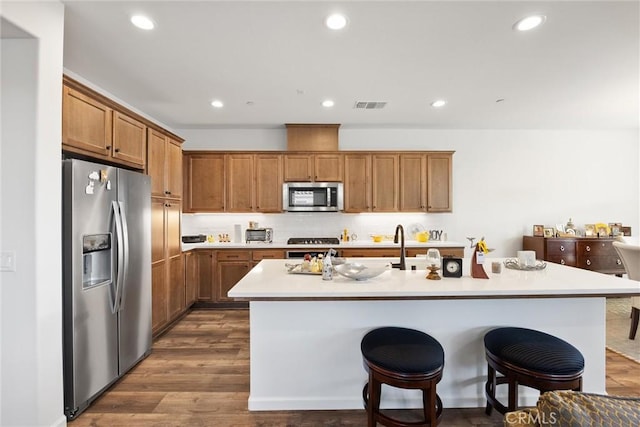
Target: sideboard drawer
569,259
561,248
598,248
601,263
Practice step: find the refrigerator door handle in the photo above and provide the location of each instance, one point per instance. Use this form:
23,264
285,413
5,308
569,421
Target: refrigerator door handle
120,248
125,265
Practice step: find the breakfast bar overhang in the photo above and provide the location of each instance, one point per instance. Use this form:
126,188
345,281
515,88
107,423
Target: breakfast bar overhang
305,333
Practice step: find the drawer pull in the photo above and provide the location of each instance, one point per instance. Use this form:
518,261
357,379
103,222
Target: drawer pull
562,248
588,262
562,262
588,248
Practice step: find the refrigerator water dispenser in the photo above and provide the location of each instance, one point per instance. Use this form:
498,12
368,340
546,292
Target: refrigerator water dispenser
96,260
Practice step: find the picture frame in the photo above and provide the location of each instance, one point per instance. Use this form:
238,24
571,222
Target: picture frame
615,228
538,230
589,230
626,231
549,232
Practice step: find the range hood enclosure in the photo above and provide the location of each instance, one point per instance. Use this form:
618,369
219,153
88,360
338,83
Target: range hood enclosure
312,137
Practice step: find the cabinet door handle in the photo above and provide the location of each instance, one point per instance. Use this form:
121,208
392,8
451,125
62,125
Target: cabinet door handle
588,262
232,256
561,248
108,147
117,150
315,177
588,248
167,192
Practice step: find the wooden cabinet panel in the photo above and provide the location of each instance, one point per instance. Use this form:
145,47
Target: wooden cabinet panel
328,167
176,287
325,167
204,182
190,278
298,167
384,190
174,243
268,184
239,183
158,220
206,264
413,182
129,139
86,122
164,165
357,191
267,254
230,273
156,155
232,255
374,253
174,169
159,315
439,183
456,252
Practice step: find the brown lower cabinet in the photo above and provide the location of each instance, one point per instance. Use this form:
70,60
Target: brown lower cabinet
217,271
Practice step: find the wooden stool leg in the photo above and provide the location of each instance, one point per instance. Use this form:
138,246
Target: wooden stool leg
513,395
373,408
429,404
490,388
635,319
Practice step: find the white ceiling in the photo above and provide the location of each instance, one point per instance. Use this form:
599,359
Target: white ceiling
579,70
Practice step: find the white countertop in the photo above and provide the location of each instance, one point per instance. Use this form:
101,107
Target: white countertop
368,243
269,280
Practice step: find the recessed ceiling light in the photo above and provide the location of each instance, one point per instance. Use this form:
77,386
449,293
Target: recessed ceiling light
336,21
327,103
217,103
438,103
142,22
529,22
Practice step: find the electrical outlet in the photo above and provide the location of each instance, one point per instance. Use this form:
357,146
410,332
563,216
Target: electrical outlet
7,261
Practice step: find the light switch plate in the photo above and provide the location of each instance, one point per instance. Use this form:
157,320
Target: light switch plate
7,261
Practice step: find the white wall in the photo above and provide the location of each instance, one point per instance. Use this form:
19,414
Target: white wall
504,181
31,297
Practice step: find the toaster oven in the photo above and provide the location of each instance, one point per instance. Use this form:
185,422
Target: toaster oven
259,235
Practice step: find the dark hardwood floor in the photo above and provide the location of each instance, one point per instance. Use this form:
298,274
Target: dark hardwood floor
198,375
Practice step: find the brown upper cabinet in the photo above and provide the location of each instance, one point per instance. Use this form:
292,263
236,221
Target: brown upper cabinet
371,182
312,137
325,167
204,189
439,179
382,181
92,128
357,189
165,165
268,185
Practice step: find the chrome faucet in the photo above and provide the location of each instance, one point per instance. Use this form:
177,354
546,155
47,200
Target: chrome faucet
402,264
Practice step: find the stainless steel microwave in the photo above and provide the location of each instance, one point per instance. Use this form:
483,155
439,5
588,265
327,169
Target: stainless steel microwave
312,196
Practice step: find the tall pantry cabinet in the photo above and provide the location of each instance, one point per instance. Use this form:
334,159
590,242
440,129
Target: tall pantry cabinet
164,160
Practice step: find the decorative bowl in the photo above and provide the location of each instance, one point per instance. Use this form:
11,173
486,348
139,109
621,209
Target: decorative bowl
357,271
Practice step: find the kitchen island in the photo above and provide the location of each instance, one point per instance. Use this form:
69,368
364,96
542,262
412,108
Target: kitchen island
305,332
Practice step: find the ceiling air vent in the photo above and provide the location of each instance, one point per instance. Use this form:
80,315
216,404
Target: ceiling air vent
369,105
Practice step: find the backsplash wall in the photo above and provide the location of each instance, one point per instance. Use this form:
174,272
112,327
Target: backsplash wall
316,224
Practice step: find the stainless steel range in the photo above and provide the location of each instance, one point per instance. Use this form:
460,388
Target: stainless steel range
311,241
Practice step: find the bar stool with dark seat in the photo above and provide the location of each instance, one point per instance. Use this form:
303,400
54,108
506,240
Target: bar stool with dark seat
530,358
403,358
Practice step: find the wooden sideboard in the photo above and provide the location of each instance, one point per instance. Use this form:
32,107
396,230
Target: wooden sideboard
589,253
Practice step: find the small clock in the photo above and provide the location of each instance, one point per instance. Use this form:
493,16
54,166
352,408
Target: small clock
452,267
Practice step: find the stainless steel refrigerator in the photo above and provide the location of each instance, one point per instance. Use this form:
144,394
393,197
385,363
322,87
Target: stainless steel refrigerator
106,239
